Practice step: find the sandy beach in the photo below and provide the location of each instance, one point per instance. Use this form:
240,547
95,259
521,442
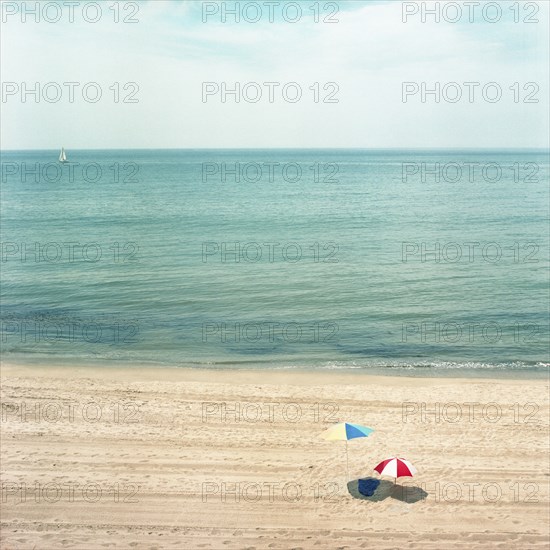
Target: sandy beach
98,458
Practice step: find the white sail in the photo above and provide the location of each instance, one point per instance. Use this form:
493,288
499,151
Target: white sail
62,155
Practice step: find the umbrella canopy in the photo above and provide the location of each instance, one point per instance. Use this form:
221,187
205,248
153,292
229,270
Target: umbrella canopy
395,467
345,431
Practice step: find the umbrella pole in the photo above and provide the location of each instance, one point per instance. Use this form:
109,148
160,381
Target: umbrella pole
347,461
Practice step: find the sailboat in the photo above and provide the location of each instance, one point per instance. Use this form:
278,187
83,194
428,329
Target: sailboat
62,156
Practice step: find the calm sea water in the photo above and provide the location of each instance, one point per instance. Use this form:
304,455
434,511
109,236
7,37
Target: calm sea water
388,261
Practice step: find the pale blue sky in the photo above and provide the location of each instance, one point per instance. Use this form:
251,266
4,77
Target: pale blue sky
369,53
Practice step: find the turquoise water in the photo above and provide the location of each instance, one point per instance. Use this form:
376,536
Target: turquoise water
372,269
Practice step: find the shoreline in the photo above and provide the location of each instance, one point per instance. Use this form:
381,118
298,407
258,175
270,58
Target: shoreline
328,374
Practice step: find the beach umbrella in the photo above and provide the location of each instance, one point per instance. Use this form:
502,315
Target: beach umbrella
345,431
395,467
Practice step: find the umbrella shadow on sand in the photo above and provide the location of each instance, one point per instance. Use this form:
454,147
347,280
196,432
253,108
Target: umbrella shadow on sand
387,489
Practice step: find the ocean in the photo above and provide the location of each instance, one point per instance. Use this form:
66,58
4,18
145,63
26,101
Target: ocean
417,262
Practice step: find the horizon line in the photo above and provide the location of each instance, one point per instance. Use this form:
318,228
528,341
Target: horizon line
545,149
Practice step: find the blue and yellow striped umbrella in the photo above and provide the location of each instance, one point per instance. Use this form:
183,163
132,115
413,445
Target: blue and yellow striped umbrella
345,431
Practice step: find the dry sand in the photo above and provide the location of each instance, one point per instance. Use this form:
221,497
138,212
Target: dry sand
98,458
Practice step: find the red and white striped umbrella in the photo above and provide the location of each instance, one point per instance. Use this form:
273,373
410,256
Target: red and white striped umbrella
396,467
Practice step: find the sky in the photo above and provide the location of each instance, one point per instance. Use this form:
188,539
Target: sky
355,66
